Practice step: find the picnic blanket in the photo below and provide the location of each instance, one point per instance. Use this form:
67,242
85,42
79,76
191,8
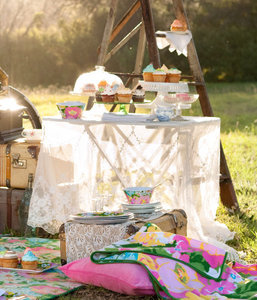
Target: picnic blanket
45,285
182,268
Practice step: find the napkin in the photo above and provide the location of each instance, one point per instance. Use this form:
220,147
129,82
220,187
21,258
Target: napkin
175,41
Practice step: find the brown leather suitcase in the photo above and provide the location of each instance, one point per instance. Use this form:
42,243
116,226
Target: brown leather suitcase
9,209
17,160
174,221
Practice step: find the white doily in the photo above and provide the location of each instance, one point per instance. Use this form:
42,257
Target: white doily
175,41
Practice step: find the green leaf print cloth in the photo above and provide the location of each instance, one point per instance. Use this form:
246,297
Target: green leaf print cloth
182,268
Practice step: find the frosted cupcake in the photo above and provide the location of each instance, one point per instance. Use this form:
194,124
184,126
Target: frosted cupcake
173,75
89,88
138,94
10,260
102,85
148,73
108,94
29,261
124,95
178,26
159,75
183,97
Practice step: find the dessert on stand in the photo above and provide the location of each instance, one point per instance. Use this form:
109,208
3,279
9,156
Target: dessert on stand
170,97
105,88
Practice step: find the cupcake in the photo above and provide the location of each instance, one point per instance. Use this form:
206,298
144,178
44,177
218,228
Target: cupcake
89,88
148,73
10,260
138,94
115,85
183,97
108,94
29,261
173,75
2,253
102,85
124,95
159,75
178,26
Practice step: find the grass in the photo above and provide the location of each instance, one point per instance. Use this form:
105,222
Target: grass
240,150
236,105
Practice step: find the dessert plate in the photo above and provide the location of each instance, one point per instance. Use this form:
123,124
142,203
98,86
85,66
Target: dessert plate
101,221
140,206
101,216
145,210
44,268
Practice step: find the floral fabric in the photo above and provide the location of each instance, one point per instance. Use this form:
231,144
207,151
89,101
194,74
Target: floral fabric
44,285
182,268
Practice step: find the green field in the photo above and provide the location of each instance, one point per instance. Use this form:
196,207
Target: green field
236,105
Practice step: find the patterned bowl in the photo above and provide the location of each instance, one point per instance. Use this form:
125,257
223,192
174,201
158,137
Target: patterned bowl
71,110
164,113
138,195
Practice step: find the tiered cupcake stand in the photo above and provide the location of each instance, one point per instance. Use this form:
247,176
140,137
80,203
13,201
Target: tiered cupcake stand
168,95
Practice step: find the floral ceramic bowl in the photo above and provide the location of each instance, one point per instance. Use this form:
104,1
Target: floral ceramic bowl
138,195
71,110
164,113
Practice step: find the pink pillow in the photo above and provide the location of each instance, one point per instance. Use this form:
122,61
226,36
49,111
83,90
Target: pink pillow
124,278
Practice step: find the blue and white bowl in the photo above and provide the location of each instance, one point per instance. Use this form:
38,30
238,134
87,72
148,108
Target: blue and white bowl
164,113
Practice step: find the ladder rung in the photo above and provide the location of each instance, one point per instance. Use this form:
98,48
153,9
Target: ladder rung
224,178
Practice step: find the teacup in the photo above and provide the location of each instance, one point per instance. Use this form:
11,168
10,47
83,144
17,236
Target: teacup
138,195
32,134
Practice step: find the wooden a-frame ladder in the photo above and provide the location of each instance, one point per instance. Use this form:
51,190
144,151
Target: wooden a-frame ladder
147,32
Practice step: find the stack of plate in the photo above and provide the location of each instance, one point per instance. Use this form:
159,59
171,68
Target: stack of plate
101,218
142,210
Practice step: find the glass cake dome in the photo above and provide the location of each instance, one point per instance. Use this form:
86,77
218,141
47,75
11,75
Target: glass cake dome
91,82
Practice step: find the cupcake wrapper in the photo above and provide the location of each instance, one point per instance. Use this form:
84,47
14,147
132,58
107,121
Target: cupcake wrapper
124,98
159,78
108,98
173,78
148,76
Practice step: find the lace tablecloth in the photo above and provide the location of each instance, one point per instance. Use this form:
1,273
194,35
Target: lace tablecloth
82,240
82,158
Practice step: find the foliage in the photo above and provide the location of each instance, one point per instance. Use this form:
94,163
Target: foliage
224,32
47,42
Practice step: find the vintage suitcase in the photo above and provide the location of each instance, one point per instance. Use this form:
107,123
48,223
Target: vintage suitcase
9,208
17,160
174,221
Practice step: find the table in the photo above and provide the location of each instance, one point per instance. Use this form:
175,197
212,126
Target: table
82,159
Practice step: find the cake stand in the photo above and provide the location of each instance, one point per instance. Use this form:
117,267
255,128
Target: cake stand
179,101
